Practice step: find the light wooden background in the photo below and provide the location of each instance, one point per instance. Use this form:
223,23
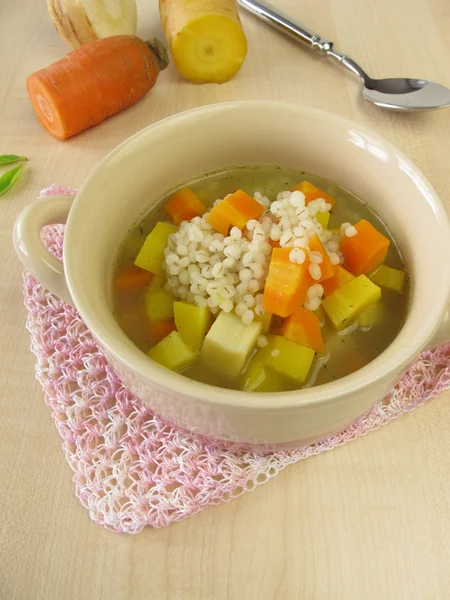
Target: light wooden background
367,521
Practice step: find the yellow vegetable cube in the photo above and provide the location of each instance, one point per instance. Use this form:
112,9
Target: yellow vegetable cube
258,378
391,279
158,301
151,254
228,344
287,358
173,352
192,322
323,218
346,303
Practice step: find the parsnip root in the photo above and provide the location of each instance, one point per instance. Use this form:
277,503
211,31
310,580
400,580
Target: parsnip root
80,22
205,37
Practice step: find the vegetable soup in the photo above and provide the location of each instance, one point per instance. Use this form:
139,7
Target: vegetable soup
261,279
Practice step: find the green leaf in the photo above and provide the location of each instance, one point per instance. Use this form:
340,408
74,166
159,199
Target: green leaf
8,179
9,159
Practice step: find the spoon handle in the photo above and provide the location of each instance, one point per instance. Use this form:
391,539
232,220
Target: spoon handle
286,24
300,33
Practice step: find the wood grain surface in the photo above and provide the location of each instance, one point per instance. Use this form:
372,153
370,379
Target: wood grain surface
370,520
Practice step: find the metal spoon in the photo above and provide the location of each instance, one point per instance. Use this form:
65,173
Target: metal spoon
394,94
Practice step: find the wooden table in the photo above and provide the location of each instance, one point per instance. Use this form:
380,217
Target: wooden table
367,521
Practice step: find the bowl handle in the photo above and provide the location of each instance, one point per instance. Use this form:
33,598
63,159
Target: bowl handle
47,269
442,334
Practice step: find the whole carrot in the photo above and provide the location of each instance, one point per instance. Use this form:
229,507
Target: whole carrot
94,82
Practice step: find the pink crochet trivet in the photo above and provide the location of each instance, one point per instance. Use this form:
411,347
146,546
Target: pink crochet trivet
132,469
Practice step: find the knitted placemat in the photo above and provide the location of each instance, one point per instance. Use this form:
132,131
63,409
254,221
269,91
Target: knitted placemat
131,468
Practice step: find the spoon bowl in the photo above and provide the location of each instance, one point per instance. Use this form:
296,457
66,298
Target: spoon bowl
406,95
399,94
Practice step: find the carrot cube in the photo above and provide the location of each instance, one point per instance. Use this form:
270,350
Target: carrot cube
184,206
131,278
286,284
160,330
236,210
303,327
313,193
247,206
223,216
365,251
325,266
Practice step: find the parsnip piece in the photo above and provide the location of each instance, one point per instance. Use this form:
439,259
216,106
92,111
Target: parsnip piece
173,352
80,22
228,344
206,38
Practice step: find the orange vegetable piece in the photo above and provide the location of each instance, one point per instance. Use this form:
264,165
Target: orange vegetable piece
131,279
341,277
325,266
313,193
160,330
286,284
184,206
236,210
93,83
365,251
303,327
247,206
223,216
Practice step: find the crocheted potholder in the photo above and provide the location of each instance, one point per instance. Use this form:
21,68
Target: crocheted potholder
131,468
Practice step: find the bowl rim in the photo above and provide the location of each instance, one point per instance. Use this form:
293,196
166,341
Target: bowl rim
168,381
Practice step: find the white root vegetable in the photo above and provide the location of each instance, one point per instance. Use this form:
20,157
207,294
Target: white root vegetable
205,37
80,22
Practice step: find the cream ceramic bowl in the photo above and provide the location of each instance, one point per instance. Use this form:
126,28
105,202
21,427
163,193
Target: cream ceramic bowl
127,183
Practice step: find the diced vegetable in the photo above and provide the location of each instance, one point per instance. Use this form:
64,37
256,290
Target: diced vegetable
94,82
228,344
223,216
266,320
326,267
158,301
345,304
258,378
323,218
391,279
161,329
313,193
372,315
246,205
131,278
303,327
365,251
206,38
287,358
173,352
341,277
192,322
151,254
184,206
236,210
286,284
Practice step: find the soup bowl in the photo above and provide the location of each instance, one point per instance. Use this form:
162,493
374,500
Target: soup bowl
134,176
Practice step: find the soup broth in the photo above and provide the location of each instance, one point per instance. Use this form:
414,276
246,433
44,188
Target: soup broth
344,350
